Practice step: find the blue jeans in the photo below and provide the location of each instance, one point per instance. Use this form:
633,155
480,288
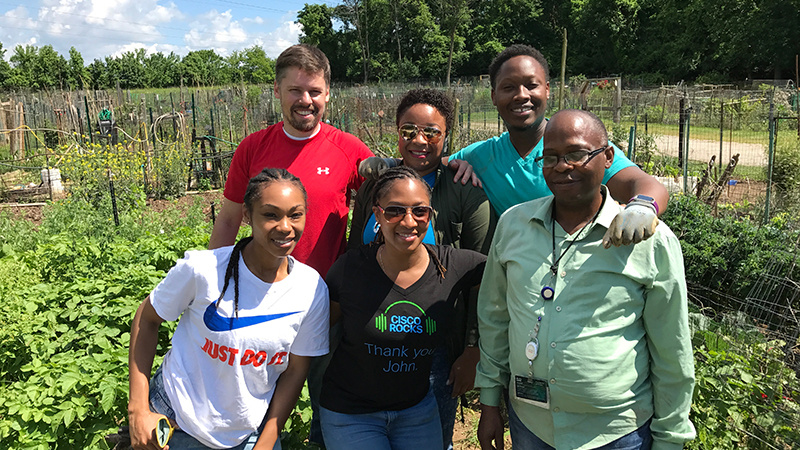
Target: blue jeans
440,372
414,428
523,439
180,440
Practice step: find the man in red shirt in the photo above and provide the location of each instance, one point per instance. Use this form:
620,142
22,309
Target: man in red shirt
323,157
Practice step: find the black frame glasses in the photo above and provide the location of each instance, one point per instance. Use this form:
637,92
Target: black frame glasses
408,131
572,158
396,213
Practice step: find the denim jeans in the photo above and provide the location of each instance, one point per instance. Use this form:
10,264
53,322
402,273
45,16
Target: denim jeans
414,428
316,371
440,372
180,440
523,439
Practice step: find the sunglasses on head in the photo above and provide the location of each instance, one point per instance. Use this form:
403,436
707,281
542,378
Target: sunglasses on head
409,131
396,213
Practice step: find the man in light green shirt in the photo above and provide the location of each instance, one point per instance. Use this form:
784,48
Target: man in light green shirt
592,344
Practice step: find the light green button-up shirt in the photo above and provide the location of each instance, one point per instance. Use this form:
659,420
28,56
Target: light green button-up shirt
614,342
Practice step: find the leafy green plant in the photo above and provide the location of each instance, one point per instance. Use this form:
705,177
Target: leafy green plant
744,393
786,166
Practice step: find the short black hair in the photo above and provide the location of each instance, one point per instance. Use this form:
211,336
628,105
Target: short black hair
437,99
517,50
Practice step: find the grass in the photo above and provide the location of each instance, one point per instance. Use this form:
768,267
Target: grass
705,133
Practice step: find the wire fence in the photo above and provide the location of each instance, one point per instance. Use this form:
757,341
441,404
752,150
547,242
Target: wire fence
741,262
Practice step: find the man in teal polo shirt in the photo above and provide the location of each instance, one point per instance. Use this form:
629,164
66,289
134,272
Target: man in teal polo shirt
520,89
592,344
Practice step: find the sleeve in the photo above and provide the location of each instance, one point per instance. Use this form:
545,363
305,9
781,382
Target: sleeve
334,278
478,221
360,152
492,372
669,341
176,291
312,336
358,220
465,153
239,172
620,162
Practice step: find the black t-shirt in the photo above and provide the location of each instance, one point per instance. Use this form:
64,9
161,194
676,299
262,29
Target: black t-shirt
383,362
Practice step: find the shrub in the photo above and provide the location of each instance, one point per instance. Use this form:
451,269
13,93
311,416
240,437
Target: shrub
786,165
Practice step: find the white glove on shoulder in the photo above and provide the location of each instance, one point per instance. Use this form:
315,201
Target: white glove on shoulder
634,224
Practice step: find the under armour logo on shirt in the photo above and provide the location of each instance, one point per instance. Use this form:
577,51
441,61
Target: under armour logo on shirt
326,171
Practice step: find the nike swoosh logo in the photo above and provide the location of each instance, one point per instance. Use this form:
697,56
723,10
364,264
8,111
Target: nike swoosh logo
216,322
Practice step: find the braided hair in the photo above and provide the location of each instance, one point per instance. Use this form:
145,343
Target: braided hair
253,193
384,185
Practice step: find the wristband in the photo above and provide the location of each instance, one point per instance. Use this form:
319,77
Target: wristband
645,199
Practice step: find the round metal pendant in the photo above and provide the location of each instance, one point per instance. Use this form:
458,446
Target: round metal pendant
548,293
532,350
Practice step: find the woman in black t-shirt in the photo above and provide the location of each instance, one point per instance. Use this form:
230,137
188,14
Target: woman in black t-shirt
395,300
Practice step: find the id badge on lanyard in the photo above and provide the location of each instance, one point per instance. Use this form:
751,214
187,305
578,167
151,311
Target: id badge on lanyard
529,389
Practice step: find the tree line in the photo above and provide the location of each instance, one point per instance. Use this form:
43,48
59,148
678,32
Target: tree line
43,67
655,41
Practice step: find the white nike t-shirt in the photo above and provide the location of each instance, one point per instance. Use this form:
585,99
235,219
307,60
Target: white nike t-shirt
221,371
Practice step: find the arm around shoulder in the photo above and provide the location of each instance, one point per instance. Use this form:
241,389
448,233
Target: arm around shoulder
632,181
226,226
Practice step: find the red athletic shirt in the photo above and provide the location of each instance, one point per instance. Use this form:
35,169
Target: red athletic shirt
327,164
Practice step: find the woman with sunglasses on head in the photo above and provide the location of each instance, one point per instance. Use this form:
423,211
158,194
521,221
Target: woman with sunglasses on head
396,299
462,218
251,318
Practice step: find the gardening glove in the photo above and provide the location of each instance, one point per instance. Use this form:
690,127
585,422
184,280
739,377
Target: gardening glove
372,168
635,223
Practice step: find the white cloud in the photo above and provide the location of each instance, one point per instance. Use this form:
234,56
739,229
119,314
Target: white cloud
217,31
100,28
256,20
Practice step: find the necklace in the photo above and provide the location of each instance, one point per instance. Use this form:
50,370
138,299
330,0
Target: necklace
548,292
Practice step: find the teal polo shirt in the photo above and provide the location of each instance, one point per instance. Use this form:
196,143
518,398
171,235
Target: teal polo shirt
509,180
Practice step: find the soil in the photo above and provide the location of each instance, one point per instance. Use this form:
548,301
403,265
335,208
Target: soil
33,211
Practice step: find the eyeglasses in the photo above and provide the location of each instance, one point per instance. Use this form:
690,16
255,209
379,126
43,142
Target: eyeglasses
396,213
571,158
409,131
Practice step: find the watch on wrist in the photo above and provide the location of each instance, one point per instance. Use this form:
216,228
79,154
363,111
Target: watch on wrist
640,198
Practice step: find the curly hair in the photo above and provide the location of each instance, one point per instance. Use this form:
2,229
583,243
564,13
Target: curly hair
437,99
516,50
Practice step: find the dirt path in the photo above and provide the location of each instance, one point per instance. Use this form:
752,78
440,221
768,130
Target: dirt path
703,150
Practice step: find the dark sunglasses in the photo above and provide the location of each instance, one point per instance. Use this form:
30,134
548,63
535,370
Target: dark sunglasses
409,131
571,158
396,213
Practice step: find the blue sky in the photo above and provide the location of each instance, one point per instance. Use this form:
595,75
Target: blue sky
99,28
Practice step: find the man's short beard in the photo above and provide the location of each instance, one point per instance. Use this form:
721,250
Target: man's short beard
303,126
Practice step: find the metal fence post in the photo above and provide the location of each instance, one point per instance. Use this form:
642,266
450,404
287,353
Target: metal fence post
771,159
688,114
721,125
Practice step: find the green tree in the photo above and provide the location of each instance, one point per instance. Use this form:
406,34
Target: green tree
162,70
98,74
203,68
23,71
78,74
5,68
127,69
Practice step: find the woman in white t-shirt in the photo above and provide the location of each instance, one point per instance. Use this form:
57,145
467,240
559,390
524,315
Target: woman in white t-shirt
248,328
